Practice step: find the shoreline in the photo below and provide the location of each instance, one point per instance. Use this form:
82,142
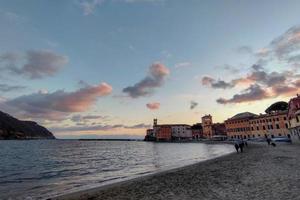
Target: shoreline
90,192
261,172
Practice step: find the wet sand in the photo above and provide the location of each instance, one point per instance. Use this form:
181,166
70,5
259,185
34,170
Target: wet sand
261,172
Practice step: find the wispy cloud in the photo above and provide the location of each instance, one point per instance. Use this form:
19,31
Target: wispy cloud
9,88
34,64
154,79
89,6
99,127
183,65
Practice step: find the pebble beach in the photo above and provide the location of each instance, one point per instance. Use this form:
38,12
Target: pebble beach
261,172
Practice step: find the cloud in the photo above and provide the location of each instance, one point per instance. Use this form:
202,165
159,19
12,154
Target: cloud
253,93
183,65
156,78
99,127
55,105
34,64
153,105
287,44
9,88
193,105
244,50
88,7
86,118
211,82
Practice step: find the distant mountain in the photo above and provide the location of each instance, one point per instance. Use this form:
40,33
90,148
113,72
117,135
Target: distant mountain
12,128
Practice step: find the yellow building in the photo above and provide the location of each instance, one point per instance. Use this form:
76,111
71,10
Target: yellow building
294,117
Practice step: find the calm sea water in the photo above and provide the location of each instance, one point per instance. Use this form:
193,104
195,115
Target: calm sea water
46,168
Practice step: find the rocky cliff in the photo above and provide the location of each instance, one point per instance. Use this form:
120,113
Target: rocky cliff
12,128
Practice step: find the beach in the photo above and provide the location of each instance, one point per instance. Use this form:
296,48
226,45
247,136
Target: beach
261,172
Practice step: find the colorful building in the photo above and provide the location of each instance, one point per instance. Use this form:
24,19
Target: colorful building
207,126
167,132
197,131
270,125
238,126
294,117
164,133
248,125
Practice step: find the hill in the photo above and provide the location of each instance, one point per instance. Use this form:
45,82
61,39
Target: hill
12,128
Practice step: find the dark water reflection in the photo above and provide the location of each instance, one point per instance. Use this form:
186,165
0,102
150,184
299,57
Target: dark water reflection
41,169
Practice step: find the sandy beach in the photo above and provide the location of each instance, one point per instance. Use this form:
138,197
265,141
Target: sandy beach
261,172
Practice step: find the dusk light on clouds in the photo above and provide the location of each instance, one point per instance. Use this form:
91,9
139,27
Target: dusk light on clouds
108,67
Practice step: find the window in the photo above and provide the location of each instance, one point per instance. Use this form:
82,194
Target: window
297,118
277,126
257,128
284,118
286,125
252,128
264,127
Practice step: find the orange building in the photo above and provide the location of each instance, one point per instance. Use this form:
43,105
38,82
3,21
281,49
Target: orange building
248,125
239,125
271,125
207,126
164,133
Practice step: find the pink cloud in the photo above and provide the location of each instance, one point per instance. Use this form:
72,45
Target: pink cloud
153,105
60,103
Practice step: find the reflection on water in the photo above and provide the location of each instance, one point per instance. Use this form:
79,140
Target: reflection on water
41,169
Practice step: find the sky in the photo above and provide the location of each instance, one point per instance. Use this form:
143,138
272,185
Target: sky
106,68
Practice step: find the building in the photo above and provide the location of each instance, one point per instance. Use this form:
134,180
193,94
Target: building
219,129
248,125
270,125
167,132
294,117
197,131
210,129
181,132
238,126
207,126
164,133
150,135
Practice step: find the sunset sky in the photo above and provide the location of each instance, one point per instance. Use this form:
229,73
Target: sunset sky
106,68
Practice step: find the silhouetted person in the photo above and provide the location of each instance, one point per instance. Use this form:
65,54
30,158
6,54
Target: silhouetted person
236,147
273,144
268,141
241,146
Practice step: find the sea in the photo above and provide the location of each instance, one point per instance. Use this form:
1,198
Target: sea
40,169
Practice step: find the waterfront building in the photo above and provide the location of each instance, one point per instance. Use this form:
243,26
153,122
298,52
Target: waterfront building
270,125
210,129
207,126
197,131
238,126
248,125
169,132
164,133
294,117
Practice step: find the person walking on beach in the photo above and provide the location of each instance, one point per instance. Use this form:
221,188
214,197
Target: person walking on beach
241,146
236,145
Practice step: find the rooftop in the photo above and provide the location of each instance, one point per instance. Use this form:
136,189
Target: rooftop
243,115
